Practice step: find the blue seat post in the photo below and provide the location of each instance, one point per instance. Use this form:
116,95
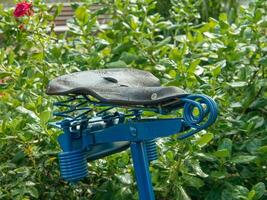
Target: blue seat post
141,168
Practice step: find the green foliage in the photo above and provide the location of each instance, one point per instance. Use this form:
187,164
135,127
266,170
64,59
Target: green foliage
224,60
199,10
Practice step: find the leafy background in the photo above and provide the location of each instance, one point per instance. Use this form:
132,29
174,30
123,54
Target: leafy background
213,47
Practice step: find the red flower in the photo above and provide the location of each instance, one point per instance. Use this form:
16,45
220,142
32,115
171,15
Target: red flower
22,9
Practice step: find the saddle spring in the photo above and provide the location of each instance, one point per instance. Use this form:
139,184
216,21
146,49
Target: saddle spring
78,112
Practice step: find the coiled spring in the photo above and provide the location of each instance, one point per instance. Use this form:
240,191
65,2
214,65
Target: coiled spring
207,113
79,109
73,165
151,150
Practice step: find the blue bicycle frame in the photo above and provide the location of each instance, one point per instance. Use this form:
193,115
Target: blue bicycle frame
87,138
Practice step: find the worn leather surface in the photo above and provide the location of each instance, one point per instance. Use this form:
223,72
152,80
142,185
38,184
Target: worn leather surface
117,86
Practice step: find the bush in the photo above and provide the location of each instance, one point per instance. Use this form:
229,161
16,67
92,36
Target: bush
224,60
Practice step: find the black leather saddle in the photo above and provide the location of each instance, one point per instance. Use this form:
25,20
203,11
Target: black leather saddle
116,86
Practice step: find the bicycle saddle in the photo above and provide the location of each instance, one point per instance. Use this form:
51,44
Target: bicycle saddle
117,86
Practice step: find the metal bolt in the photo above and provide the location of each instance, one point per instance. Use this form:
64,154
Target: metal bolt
133,131
154,96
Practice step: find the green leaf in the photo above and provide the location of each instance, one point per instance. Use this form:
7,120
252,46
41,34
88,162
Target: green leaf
262,149
163,42
125,178
33,192
222,153
29,183
116,64
56,51
216,71
193,181
75,29
180,38
236,105
210,35
134,22
170,155
206,156
200,80
243,159
193,65
19,156
160,68
30,113
214,193
240,192
58,9
263,61
227,144
81,14
223,17
204,139
4,74
128,58
259,189
218,174
238,84
44,117
182,195
197,169
253,145
251,194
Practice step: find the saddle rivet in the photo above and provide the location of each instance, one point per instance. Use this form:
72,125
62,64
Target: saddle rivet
154,96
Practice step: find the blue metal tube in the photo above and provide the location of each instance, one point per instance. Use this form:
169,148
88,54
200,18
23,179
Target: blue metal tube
141,168
66,142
